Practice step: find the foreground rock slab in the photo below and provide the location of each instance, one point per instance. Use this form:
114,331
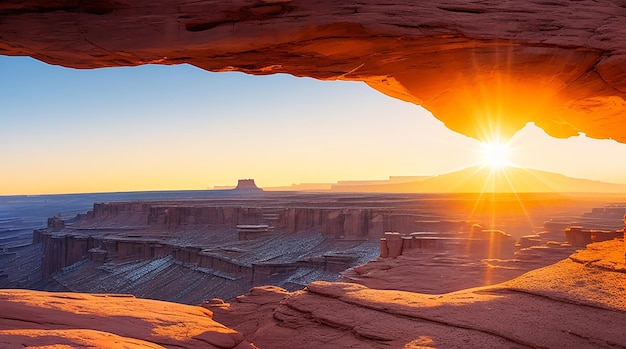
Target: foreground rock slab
579,302
41,319
566,305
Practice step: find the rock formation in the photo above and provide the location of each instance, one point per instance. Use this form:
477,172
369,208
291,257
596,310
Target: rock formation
480,67
476,242
72,320
247,185
576,303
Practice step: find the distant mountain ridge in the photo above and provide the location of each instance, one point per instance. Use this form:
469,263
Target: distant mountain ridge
485,179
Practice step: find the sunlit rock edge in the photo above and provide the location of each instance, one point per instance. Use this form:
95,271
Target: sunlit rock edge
578,302
484,68
35,318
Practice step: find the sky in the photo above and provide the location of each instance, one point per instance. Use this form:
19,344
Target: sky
179,127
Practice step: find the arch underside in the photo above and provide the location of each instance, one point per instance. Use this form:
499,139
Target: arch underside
484,69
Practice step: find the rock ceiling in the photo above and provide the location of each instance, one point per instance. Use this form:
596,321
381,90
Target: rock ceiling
483,67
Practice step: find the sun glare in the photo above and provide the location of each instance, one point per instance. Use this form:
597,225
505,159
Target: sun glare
496,155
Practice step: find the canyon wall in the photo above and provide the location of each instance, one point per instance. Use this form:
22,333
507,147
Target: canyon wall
148,230
168,216
60,251
476,243
332,222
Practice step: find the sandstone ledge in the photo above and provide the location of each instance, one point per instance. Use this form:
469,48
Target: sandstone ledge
578,302
34,318
566,305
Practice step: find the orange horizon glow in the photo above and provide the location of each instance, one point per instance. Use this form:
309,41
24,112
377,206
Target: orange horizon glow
174,135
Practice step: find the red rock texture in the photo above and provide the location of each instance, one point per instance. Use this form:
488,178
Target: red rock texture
571,304
478,66
576,303
437,272
42,319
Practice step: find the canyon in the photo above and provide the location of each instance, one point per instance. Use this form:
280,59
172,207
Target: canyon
222,246
333,270
478,66
548,308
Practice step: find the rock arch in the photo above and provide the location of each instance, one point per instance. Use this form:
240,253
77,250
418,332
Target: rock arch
478,66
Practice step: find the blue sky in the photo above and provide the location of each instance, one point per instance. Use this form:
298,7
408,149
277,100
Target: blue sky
179,127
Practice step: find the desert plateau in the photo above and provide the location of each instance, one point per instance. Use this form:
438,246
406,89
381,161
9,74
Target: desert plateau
431,174
394,264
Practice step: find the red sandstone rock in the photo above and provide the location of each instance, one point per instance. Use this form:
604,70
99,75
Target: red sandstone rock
394,244
36,318
566,305
473,64
72,338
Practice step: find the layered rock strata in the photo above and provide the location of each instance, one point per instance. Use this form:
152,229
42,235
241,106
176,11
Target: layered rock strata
333,221
125,230
578,302
478,243
220,248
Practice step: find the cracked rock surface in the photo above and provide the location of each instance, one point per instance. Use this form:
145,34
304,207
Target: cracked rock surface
476,65
545,308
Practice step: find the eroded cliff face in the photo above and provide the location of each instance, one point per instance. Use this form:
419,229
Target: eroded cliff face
204,235
482,67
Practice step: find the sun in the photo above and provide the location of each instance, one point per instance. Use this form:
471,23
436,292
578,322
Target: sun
496,155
